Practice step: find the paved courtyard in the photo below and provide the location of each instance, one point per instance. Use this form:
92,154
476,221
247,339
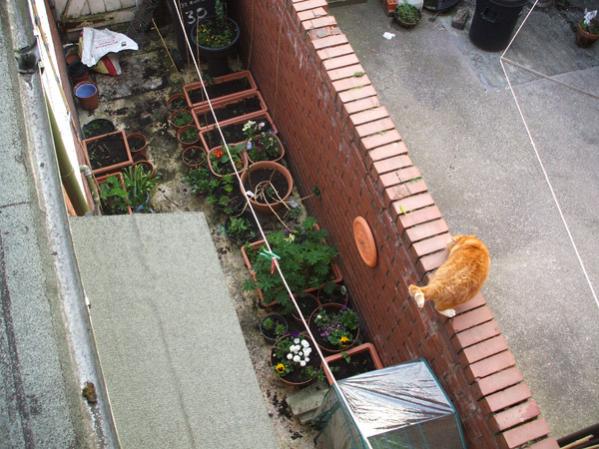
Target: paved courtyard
451,103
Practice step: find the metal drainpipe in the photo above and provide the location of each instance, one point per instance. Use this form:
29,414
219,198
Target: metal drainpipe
67,174
98,425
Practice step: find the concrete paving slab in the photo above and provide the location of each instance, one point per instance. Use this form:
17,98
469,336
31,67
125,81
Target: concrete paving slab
464,132
176,365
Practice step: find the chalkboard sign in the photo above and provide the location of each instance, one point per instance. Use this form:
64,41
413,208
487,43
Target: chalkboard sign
194,11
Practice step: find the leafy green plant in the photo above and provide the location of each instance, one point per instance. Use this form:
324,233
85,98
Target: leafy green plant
407,13
305,260
240,229
261,145
338,328
590,22
220,192
113,197
221,162
201,181
218,31
189,135
140,184
181,118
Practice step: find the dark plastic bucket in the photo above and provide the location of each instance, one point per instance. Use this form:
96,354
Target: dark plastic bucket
78,72
87,94
494,22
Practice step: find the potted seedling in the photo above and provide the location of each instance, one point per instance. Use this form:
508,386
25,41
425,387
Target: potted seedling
304,257
140,184
108,153
273,326
240,229
216,38
262,145
176,102
180,118
188,136
294,360
194,156
335,327
407,15
113,195
587,31
138,146
354,361
219,160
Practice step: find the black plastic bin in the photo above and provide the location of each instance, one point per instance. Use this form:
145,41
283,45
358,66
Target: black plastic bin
494,22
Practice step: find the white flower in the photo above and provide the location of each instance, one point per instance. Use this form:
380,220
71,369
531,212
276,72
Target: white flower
296,341
307,351
296,358
305,343
249,145
248,125
307,359
289,356
261,125
302,363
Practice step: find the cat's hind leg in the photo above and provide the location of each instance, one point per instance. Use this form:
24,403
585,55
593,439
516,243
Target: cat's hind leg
418,295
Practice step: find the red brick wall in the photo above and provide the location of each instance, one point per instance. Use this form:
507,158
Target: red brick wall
341,139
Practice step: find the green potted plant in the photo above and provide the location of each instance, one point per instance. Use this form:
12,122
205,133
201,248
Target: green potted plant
294,361
216,38
188,136
219,160
262,145
113,195
335,327
587,31
407,15
140,184
180,118
273,326
240,229
220,192
305,259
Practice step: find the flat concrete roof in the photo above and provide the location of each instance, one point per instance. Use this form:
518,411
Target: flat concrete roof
450,103
176,365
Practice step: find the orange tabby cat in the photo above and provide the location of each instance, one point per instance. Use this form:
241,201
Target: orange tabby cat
459,278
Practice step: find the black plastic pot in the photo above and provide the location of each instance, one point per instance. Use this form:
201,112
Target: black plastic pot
494,22
217,58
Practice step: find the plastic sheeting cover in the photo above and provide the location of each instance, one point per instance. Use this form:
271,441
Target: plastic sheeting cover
402,406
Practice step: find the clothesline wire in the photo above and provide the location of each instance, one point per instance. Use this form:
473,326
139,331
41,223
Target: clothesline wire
325,365
540,160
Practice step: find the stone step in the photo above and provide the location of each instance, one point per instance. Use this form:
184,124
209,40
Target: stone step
307,399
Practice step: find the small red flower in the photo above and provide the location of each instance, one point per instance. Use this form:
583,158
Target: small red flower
218,153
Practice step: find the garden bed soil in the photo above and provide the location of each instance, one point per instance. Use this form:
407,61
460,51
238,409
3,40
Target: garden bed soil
233,131
97,127
230,110
220,89
109,152
363,358
307,304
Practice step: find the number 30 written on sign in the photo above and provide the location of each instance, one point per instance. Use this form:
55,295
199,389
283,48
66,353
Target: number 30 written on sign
194,15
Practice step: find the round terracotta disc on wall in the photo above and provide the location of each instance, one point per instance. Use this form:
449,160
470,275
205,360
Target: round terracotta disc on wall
365,242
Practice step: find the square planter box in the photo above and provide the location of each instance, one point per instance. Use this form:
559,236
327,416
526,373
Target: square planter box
120,149
222,88
228,111
103,178
364,352
210,137
335,271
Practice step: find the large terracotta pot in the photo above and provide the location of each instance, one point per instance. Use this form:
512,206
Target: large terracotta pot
259,173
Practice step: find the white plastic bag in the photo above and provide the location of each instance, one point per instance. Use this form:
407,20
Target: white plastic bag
97,43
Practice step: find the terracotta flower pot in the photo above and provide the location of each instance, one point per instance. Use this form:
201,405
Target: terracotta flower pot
187,143
278,158
335,273
194,156
116,146
584,39
149,166
176,102
78,72
172,119
221,88
339,359
242,165
87,94
314,361
256,179
325,346
138,146
119,175
226,110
